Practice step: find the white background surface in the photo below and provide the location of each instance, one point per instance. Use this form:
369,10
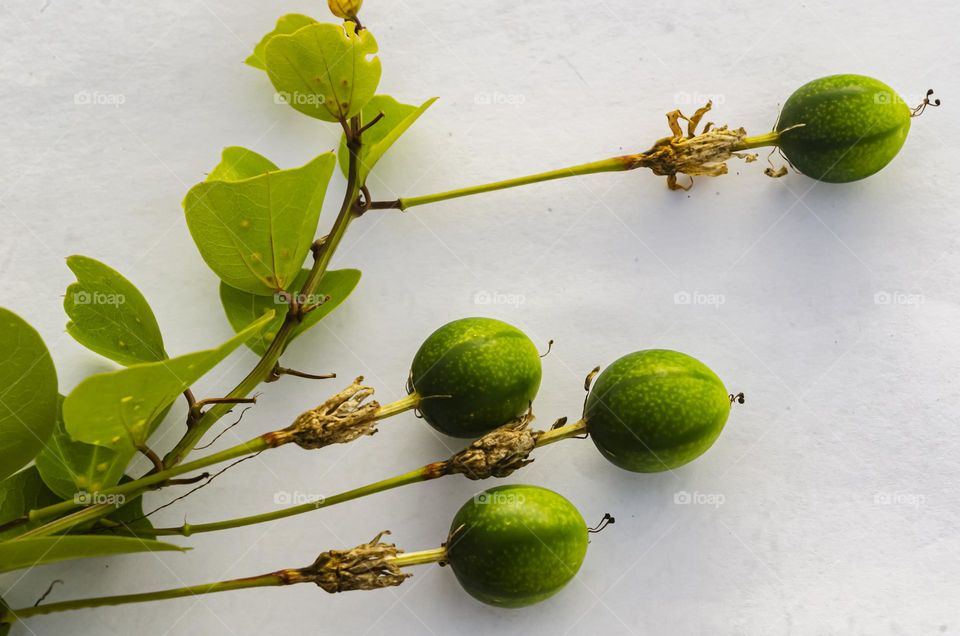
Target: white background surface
838,477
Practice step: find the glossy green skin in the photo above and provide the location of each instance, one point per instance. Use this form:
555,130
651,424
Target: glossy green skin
490,370
656,410
853,126
513,546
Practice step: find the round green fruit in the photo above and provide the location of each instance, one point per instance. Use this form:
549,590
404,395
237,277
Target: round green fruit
843,128
656,410
474,375
513,546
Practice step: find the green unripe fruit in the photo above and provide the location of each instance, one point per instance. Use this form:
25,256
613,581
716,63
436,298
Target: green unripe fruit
513,546
474,375
656,410
843,128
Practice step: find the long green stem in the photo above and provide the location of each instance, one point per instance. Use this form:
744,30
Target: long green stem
266,580
274,579
425,473
258,375
421,474
614,164
137,487
133,488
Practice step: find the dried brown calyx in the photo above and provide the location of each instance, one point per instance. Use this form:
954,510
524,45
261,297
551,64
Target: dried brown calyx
693,154
369,566
498,453
342,418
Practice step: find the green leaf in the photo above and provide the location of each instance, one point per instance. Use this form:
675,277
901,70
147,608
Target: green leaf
255,233
19,494
326,71
237,164
68,466
28,393
30,552
116,409
377,139
241,307
109,315
287,24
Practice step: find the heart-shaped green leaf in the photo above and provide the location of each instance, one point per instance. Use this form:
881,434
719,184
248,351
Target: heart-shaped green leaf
33,551
287,24
241,308
19,494
377,139
28,393
326,71
109,315
255,233
116,409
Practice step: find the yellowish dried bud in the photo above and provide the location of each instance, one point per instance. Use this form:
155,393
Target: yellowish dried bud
343,418
704,154
368,566
498,453
346,9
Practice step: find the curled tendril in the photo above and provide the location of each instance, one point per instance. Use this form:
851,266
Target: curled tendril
608,520
922,106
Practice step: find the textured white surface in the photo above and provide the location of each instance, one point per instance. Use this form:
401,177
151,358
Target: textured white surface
838,478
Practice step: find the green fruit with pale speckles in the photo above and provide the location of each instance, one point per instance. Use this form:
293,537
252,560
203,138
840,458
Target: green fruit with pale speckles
656,410
843,128
513,546
474,375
